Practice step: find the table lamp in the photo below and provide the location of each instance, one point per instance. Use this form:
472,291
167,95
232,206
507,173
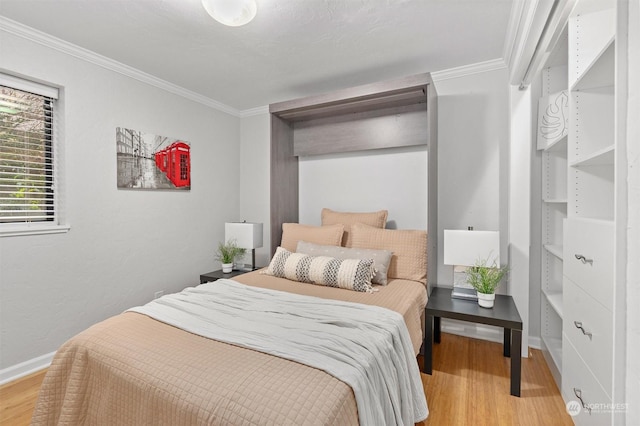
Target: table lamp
465,248
247,235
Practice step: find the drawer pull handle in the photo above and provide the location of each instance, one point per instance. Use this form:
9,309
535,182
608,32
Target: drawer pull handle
578,394
578,325
584,260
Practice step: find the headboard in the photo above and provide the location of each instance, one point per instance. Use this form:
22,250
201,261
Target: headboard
349,120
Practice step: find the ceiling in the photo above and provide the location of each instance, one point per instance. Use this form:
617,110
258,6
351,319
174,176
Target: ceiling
293,48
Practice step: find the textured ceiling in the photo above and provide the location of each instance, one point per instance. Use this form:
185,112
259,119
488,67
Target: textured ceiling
292,48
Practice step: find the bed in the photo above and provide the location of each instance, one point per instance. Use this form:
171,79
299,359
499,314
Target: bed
133,369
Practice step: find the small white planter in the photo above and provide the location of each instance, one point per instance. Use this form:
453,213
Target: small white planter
227,267
486,300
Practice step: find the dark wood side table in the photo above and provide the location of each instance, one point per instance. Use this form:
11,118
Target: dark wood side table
503,314
216,275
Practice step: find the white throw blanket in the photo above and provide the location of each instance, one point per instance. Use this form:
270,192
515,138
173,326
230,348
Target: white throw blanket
367,347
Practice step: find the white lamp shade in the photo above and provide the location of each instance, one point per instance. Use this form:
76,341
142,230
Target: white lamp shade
247,235
466,248
233,13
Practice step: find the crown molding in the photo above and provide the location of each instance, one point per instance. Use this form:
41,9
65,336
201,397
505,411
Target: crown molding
60,45
254,111
534,28
516,20
466,70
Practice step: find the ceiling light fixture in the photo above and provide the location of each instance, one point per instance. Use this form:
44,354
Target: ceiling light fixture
233,13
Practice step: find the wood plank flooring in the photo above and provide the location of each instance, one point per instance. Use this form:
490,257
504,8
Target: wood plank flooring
469,386
18,399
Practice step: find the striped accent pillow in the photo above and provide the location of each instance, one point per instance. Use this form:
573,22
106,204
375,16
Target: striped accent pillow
351,274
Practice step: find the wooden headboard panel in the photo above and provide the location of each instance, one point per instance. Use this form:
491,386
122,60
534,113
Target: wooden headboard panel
350,120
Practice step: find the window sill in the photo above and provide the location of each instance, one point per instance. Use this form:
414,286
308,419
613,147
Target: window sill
32,229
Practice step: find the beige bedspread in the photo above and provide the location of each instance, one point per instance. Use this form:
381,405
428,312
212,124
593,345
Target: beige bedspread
133,370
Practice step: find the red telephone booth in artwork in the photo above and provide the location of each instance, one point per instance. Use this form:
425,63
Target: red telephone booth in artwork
161,160
179,164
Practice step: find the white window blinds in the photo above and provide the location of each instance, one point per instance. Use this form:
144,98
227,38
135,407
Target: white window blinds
26,152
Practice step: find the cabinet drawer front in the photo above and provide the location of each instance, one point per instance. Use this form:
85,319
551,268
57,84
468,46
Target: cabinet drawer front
588,257
589,327
576,378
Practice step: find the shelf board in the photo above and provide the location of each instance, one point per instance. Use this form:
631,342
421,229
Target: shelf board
601,71
604,156
554,249
554,346
592,32
555,300
554,200
601,221
557,145
410,90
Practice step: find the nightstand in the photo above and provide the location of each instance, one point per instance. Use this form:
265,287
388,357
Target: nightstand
216,275
503,314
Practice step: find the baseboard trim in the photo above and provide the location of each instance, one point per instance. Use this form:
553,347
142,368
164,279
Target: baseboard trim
474,331
535,342
23,369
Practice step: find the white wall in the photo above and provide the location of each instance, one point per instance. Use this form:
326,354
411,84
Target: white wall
123,245
521,139
255,142
474,175
393,179
473,126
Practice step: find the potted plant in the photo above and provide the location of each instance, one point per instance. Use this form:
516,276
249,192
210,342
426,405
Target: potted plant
485,280
226,254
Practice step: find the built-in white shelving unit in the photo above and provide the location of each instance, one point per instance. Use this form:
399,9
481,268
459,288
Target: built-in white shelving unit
554,298
589,230
554,249
580,128
577,137
553,130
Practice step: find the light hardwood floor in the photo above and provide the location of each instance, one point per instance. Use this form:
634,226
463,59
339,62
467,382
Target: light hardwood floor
17,399
469,386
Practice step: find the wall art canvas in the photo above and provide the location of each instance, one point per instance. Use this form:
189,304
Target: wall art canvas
553,118
147,161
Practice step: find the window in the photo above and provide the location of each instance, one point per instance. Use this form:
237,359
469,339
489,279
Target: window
27,154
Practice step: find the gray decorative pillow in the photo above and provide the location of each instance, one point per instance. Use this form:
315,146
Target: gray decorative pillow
381,258
351,274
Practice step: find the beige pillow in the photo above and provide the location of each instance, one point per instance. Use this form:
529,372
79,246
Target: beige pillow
294,232
375,219
409,247
381,258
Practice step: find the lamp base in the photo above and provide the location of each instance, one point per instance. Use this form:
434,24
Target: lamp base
248,268
462,290
464,293
245,268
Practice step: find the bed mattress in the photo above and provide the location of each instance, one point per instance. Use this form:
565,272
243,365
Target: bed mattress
131,369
